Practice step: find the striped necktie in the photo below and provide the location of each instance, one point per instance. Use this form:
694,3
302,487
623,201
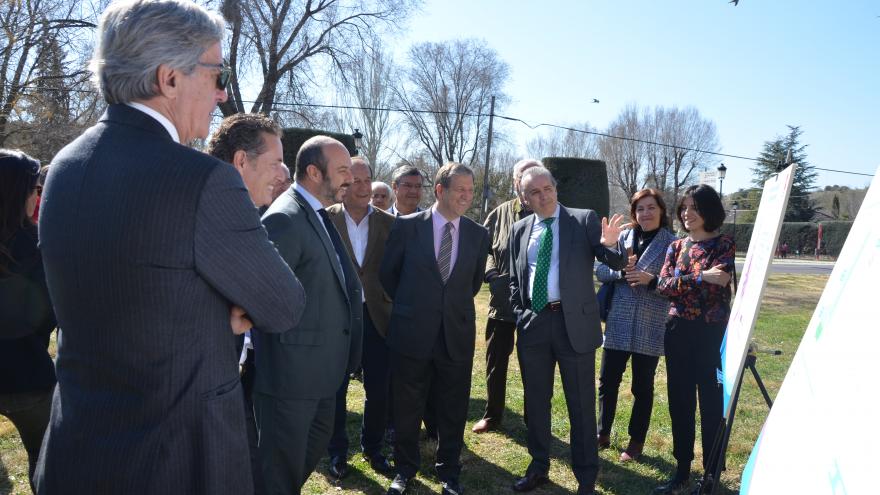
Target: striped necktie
444,259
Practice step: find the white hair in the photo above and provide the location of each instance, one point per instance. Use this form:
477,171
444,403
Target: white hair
524,164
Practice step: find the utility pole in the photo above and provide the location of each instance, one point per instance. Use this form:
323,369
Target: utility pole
485,208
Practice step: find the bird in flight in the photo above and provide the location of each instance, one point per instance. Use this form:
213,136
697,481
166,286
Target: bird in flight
595,100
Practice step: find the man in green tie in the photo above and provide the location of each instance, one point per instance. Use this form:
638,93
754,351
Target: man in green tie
551,281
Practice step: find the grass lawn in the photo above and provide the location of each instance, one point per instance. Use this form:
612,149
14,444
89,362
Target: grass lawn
493,461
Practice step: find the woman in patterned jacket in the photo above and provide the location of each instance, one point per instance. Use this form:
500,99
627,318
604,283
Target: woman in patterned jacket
696,278
635,325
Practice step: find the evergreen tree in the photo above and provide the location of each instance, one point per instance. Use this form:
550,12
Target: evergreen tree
773,158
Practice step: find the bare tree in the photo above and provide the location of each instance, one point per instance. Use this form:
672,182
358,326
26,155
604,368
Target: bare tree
32,31
625,157
690,141
446,92
367,85
566,142
273,42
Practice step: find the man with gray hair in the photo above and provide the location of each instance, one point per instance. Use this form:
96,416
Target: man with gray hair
154,258
383,197
501,323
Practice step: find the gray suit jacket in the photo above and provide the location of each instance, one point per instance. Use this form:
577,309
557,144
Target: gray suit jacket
579,246
146,244
310,360
423,304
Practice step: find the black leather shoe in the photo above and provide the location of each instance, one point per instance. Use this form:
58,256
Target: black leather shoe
586,489
380,464
338,467
530,481
399,485
451,487
674,486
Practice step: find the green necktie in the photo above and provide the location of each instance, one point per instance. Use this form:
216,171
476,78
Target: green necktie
542,266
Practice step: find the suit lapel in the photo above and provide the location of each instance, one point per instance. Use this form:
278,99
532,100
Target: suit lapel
341,224
523,255
464,245
566,231
321,232
426,238
654,249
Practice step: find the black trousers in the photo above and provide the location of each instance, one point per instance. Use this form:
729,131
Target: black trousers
377,383
293,435
248,374
610,375
449,381
547,346
499,345
692,358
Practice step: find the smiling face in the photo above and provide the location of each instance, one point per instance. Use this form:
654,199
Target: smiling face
454,201
540,194
408,191
690,216
197,95
338,177
359,194
264,172
648,214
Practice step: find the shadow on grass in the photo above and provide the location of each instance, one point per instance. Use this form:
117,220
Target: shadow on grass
614,476
5,484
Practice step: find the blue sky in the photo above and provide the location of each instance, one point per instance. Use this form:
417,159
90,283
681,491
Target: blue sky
752,69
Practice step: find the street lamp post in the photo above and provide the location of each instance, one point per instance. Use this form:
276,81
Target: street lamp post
358,140
722,172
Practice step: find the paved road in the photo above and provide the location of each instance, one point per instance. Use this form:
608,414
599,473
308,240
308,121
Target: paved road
797,267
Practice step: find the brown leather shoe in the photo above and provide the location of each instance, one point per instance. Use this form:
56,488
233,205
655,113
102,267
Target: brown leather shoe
632,452
483,425
603,441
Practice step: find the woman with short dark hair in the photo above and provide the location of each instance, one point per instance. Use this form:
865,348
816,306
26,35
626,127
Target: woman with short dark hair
696,278
27,373
636,321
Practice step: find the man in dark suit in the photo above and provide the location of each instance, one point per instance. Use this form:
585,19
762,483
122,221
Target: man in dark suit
153,252
300,371
432,269
364,230
251,143
551,283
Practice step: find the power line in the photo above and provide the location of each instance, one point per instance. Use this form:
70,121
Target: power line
467,114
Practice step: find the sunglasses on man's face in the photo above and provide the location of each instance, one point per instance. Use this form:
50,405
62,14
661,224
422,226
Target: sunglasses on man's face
223,76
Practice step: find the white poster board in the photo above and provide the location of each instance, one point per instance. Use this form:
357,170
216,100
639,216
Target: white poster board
823,433
752,281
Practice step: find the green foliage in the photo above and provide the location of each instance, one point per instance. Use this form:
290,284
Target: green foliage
294,137
800,236
774,155
581,183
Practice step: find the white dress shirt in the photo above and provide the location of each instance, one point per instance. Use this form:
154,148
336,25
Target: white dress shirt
358,234
532,254
159,117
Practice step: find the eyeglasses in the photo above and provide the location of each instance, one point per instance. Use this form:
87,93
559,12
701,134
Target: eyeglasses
223,76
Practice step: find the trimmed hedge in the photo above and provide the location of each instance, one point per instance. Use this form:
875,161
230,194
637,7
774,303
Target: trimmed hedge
581,183
294,137
801,236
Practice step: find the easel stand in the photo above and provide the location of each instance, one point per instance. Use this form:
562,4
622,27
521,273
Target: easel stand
709,482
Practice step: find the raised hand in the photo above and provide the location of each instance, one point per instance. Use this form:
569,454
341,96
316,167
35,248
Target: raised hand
611,229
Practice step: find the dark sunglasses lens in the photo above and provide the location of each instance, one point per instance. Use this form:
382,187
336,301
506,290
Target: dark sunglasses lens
223,78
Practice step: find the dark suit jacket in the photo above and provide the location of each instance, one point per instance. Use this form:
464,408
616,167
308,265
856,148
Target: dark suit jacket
378,303
146,244
311,360
579,246
423,304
